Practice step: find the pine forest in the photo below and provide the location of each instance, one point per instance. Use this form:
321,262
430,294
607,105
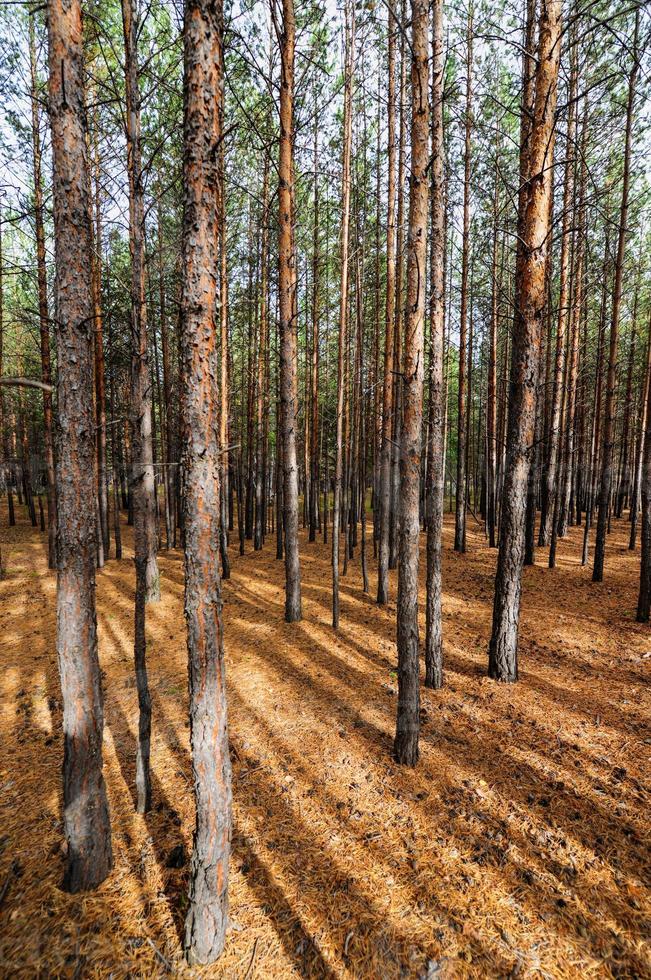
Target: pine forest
325,489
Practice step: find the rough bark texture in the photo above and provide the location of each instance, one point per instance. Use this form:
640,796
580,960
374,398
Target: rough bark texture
86,819
529,309
436,461
408,722
288,313
207,917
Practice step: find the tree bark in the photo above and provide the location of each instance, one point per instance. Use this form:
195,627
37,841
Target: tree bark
436,461
207,917
262,368
462,434
530,301
609,408
491,399
387,392
644,598
142,471
559,393
343,305
408,721
314,366
288,313
86,818
44,317
639,457
100,383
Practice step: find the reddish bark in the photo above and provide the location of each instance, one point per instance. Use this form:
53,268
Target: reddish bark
408,721
86,819
288,315
525,359
207,918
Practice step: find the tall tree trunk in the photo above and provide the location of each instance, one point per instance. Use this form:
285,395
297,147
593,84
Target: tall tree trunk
117,532
530,301
343,305
387,392
596,414
44,317
624,476
436,462
559,392
462,434
314,367
224,401
100,385
3,441
262,366
398,325
86,820
644,598
252,347
163,392
609,409
207,917
286,33
565,485
639,457
408,721
142,471
491,406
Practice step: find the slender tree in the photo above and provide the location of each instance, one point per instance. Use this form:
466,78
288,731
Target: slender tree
611,382
86,821
387,397
436,454
207,917
559,389
644,598
530,301
143,498
286,34
408,721
343,306
462,434
43,312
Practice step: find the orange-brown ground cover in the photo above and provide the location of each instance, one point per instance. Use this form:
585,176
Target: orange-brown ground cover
518,847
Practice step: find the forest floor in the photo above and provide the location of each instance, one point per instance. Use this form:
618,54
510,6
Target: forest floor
518,847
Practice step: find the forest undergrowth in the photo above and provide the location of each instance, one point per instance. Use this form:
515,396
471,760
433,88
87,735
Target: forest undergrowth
516,848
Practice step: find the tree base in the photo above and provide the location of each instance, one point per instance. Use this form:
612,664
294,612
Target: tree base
405,748
205,933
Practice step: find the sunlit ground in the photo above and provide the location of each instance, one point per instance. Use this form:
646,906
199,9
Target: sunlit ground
518,847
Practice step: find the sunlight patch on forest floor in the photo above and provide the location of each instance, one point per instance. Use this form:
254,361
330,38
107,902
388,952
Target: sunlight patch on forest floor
518,847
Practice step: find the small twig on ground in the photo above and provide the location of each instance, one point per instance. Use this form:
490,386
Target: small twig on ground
166,963
249,969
